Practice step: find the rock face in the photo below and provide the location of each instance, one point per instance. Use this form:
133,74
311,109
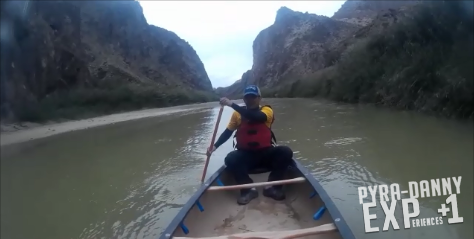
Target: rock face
294,45
299,44
235,90
55,46
364,12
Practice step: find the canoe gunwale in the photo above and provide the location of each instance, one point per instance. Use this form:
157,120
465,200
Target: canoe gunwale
317,230
339,221
183,212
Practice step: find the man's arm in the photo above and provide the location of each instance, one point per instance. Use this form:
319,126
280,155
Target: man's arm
233,124
223,138
253,115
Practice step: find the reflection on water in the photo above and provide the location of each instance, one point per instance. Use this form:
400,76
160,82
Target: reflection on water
347,146
117,181
129,180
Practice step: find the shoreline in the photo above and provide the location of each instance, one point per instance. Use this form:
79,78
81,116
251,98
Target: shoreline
26,131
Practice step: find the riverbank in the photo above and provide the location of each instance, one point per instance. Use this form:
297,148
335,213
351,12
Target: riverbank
21,132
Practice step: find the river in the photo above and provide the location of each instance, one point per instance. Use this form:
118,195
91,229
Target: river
129,179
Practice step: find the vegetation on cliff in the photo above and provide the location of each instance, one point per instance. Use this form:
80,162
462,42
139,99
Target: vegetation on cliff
70,59
422,62
94,101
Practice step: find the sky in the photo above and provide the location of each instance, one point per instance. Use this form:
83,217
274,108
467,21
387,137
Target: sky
222,32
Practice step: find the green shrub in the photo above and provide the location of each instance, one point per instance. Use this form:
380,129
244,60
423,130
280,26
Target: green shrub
88,102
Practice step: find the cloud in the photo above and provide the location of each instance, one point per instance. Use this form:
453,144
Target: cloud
222,32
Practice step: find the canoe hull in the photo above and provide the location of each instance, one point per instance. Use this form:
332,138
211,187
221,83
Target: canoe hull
215,213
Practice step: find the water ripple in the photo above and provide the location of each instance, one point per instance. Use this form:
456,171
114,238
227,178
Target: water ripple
343,141
130,180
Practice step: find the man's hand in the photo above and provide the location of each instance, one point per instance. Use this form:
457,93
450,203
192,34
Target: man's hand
224,101
210,150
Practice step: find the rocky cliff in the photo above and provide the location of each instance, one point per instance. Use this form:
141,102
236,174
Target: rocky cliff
364,12
295,45
299,44
414,57
92,55
235,90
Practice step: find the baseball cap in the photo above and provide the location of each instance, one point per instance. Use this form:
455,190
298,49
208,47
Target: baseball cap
252,90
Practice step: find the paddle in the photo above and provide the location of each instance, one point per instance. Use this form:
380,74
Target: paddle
212,142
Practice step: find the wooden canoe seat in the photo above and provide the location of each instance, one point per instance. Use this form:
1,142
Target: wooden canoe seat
323,229
259,170
262,169
260,184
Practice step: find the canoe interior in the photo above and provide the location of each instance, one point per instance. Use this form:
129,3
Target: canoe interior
223,216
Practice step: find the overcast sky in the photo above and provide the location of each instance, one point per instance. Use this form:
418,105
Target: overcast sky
222,32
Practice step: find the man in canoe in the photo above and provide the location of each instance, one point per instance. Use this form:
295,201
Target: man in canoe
254,148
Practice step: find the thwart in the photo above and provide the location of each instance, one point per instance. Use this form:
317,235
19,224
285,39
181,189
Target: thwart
289,234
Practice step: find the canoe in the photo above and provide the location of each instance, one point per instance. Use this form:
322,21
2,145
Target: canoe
213,213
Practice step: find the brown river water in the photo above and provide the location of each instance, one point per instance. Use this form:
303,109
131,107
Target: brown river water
128,180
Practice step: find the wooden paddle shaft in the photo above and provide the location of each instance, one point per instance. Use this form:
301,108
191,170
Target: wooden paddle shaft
212,143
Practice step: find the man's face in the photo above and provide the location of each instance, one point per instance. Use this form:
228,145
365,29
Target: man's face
252,101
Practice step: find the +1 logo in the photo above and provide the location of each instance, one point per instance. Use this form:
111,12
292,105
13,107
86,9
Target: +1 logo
443,210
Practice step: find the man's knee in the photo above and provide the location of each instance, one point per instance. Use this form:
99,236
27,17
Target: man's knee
283,156
284,152
232,159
